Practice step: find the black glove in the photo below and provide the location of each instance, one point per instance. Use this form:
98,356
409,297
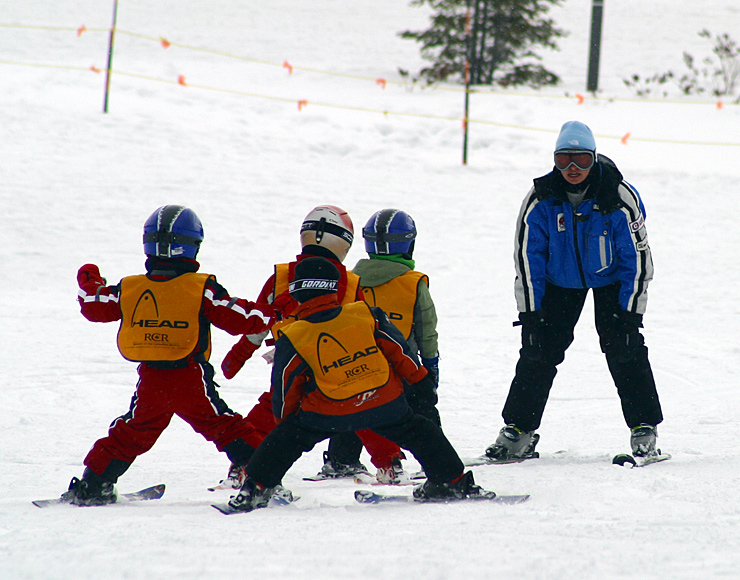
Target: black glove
627,337
422,398
533,328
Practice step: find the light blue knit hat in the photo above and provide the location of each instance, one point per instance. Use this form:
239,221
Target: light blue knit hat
575,135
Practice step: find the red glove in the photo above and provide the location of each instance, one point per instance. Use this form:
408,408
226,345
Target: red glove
240,353
89,274
284,304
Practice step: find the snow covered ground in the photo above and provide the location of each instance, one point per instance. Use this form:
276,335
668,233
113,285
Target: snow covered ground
78,184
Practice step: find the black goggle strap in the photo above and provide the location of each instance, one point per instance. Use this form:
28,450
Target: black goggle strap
380,237
313,284
322,226
164,239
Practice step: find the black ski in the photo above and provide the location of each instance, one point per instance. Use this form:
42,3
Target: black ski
279,499
627,459
367,496
485,460
321,477
154,492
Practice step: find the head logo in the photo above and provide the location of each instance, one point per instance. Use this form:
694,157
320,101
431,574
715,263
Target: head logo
146,314
333,355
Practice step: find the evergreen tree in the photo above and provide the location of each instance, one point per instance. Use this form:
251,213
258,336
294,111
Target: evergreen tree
499,48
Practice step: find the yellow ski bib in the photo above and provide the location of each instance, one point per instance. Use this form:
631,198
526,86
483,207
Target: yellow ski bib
397,298
342,353
160,321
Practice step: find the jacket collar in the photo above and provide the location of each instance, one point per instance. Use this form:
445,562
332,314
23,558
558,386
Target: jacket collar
603,181
315,305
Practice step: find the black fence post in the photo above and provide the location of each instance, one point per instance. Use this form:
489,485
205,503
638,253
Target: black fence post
597,14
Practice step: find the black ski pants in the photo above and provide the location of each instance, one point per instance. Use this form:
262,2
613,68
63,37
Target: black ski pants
417,434
561,308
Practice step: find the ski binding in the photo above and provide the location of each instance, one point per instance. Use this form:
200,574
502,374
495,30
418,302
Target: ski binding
627,459
154,492
278,499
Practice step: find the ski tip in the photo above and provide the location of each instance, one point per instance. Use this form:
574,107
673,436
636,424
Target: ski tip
624,459
223,508
153,492
226,509
366,496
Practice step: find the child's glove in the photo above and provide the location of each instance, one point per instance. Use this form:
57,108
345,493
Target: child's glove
240,353
284,304
432,365
89,274
422,398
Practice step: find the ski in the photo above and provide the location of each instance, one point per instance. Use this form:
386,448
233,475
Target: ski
279,499
321,477
627,459
367,496
411,478
485,460
154,492
221,486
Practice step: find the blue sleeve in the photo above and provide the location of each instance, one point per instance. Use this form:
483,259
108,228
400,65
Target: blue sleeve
530,254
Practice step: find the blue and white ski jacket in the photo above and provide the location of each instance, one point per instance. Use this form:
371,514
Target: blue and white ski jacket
600,242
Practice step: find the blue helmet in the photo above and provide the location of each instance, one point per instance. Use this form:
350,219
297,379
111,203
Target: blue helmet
173,231
389,231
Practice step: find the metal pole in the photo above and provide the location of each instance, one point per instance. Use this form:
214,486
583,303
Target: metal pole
111,40
467,85
597,14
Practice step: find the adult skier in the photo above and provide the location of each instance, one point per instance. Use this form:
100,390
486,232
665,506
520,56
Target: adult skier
581,228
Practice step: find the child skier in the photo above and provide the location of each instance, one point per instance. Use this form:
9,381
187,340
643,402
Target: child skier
165,317
389,281
328,232
341,368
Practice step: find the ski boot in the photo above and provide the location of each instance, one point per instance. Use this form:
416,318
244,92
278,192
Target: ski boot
252,496
513,443
235,478
393,474
643,439
333,469
92,489
464,488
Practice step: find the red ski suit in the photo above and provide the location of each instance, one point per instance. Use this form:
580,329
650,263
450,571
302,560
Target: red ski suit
165,388
381,450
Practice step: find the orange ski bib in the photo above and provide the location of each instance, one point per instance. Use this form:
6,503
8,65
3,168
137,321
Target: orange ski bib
397,298
342,353
160,320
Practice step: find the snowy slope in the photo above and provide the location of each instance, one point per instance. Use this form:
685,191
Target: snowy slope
234,146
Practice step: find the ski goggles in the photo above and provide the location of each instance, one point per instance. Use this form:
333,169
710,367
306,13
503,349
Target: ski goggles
583,160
